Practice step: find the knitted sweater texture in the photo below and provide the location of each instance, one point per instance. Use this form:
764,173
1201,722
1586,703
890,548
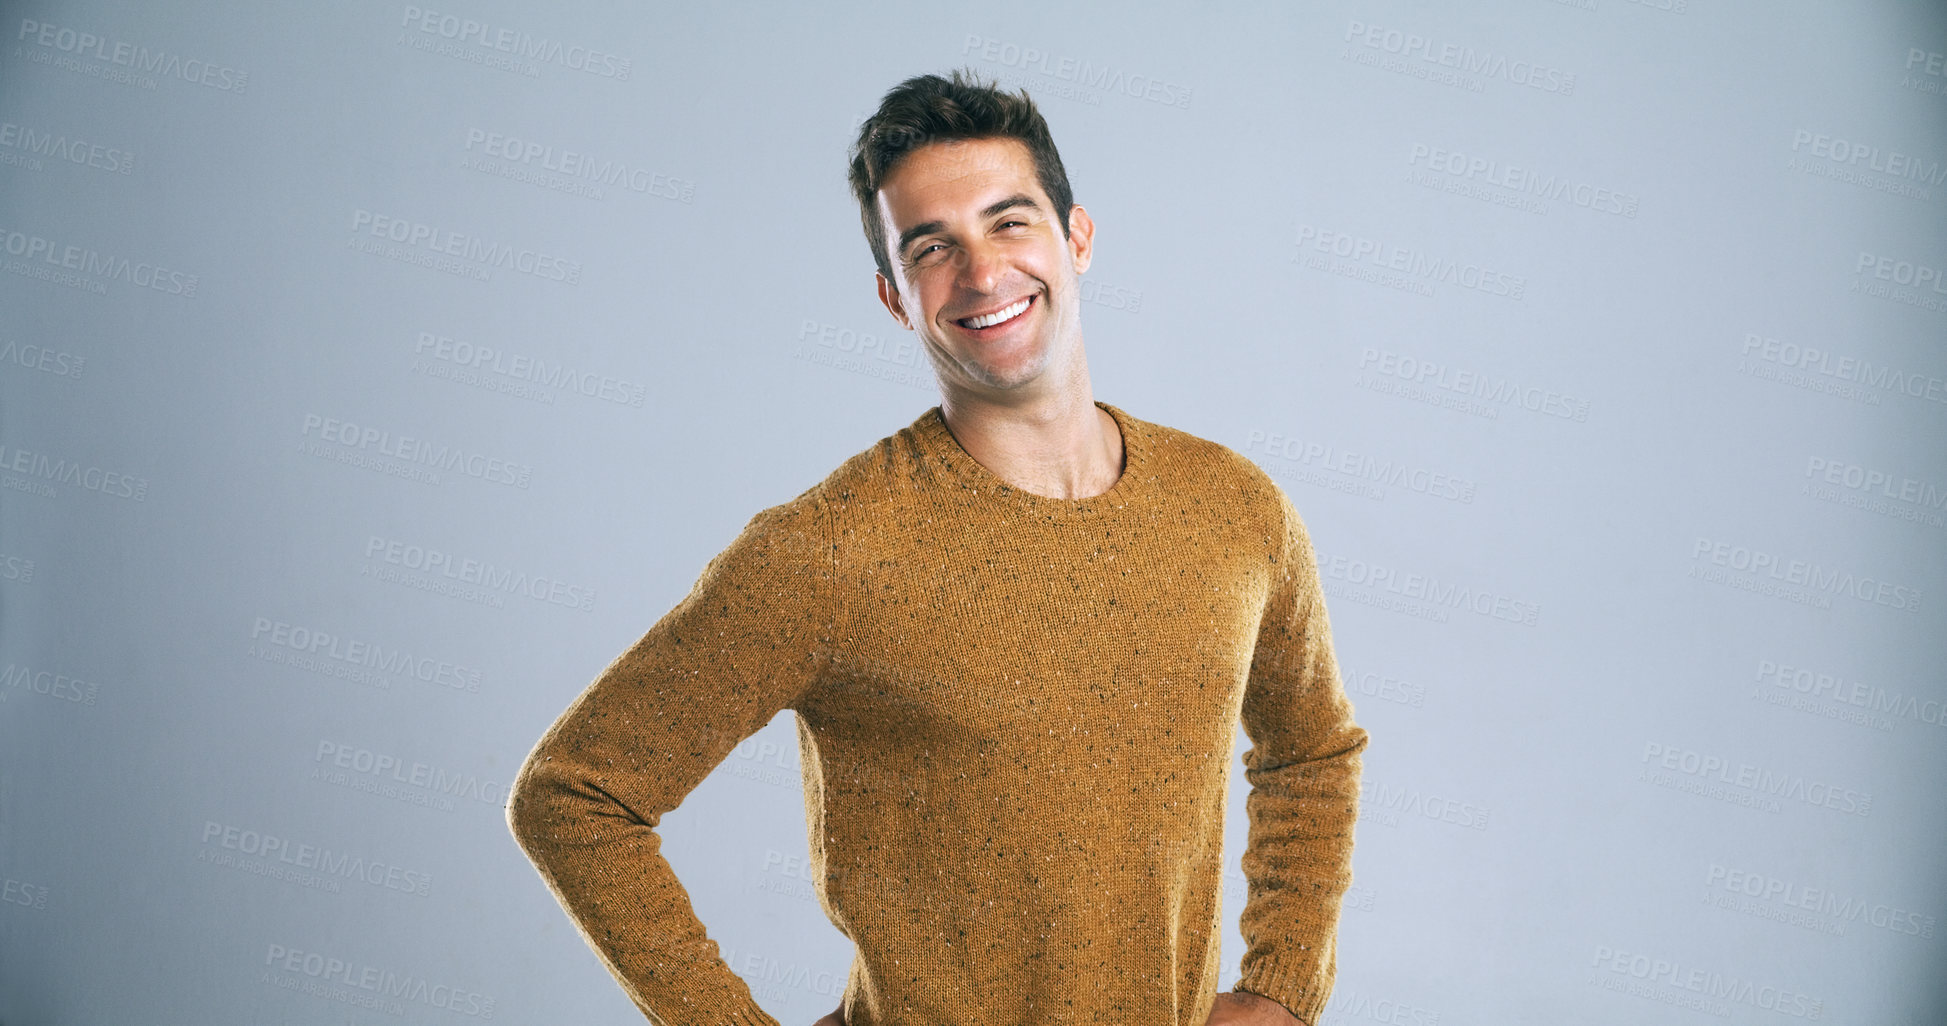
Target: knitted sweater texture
1015,718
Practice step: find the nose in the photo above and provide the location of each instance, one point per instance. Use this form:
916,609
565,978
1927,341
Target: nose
982,265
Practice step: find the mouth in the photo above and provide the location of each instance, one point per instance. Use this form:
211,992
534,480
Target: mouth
988,324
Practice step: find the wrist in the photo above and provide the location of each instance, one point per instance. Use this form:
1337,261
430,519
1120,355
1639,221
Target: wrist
1263,1003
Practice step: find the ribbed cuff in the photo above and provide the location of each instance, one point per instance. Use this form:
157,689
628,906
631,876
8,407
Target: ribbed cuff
1302,985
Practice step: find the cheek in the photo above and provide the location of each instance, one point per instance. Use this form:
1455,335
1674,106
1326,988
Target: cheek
931,301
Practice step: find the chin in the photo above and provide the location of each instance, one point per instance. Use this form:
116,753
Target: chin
1012,374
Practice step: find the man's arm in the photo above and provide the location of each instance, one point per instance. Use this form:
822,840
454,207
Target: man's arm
1303,768
750,637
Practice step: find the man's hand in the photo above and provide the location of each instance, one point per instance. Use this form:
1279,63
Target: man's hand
837,1018
1241,1008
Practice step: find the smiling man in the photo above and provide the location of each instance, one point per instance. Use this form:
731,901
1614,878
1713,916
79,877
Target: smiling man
1018,636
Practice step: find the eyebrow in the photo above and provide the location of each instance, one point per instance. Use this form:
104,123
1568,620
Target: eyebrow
1019,199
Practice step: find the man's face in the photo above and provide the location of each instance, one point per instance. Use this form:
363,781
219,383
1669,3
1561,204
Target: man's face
972,236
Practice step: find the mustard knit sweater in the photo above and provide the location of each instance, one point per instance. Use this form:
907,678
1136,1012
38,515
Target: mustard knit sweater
1016,718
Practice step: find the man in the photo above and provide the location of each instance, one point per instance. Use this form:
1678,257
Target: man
1018,635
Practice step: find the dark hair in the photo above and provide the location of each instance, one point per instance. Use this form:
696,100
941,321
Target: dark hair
929,109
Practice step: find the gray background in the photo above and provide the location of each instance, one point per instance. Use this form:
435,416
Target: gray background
1601,344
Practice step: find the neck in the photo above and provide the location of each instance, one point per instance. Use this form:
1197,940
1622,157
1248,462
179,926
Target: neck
1059,445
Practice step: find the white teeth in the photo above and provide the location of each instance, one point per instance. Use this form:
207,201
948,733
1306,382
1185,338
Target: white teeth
997,316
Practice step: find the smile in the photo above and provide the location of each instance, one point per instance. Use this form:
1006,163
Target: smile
998,317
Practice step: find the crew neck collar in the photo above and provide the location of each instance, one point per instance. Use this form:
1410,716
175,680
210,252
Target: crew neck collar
940,444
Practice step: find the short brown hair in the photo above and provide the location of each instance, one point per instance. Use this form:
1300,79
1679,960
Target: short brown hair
929,109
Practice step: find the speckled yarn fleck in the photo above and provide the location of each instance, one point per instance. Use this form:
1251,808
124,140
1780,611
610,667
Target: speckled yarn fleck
1016,718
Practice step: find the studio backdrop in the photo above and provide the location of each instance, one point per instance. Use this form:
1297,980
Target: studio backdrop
372,373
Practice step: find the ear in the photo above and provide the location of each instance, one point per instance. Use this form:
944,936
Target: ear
1081,237
889,295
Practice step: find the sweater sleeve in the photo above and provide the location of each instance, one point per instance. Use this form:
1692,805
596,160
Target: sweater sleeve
748,640
1303,767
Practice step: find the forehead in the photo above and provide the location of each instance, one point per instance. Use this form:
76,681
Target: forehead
936,180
